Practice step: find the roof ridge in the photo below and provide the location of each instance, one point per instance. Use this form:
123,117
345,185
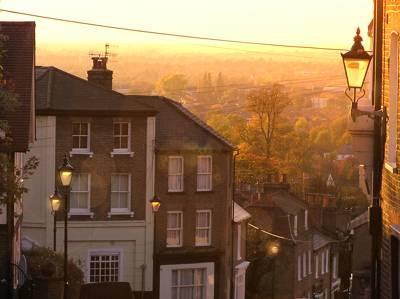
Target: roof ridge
86,81
199,121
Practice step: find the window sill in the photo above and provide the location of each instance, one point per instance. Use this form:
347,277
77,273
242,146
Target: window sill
72,153
127,213
202,245
204,191
174,246
391,167
177,192
83,213
114,153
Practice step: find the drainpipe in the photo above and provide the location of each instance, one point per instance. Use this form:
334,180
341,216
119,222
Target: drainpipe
375,211
232,295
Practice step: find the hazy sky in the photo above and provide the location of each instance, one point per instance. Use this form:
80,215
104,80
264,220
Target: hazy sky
329,23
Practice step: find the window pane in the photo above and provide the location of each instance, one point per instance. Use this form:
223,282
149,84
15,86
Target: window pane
84,182
114,201
84,142
84,128
114,183
123,200
123,183
124,142
172,221
187,277
124,129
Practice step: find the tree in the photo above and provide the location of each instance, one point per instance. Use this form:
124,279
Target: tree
172,86
267,105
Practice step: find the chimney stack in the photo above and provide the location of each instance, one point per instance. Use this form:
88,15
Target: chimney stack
99,74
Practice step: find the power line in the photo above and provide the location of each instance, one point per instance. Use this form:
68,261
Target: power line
205,89
208,38
277,236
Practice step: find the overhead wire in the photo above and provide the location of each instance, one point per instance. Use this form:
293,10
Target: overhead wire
177,35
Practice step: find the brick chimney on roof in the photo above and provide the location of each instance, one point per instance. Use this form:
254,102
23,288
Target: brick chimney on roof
99,74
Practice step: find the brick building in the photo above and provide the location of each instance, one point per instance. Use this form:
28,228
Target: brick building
194,181
18,61
109,139
390,193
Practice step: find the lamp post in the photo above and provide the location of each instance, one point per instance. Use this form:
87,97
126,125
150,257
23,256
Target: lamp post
273,251
55,202
356,63
155,206
65,172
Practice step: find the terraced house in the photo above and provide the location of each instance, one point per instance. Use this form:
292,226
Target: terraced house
126,149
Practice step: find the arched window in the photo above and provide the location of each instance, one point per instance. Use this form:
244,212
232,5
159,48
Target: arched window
393,98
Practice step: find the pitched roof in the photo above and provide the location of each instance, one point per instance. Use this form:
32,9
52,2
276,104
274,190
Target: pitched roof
199,122
239,214
288,202
60,92
359,220
18,63
320,240
156,101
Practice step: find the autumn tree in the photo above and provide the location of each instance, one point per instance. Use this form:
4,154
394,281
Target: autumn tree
172,86
266,106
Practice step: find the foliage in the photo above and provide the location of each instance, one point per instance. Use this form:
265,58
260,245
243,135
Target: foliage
172,86
12,180
266,106
39,258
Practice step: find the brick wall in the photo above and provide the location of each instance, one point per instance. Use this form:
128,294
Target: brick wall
178,135
102,165
390,181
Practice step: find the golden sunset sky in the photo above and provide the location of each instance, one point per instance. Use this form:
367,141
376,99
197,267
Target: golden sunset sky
326,23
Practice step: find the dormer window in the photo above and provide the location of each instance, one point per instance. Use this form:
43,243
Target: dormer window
121,138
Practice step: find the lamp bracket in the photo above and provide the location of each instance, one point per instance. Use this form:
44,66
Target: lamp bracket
355,113
353,96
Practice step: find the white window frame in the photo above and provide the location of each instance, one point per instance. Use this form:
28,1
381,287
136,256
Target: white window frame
86,149
322,262
391,163
105,251
309,262
180,229
127,210
327,261
304,264
122,151
299,267
78,211
209,212
166,277
210,173
335,267
316,266
239,242
295,226
176,174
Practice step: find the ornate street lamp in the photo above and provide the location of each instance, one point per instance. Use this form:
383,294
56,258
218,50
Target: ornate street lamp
155,203
55,203
356,63
65,173
155,206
